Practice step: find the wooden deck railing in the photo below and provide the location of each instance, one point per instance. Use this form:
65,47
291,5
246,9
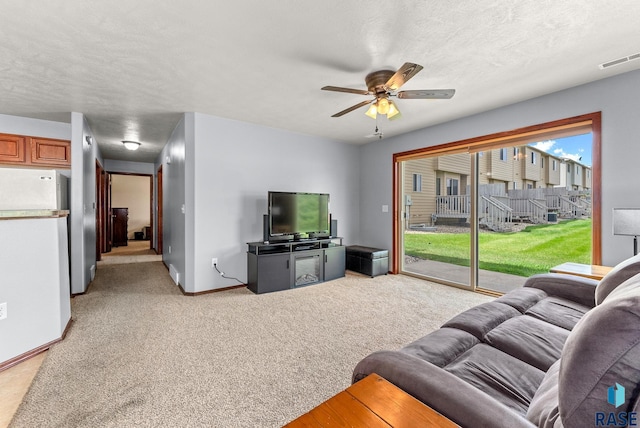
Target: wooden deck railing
494,214
453,206
495,211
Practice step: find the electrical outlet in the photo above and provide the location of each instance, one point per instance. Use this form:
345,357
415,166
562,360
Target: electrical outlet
214,261
3,310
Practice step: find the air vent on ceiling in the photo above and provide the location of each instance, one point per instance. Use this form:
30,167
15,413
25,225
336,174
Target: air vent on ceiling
619,61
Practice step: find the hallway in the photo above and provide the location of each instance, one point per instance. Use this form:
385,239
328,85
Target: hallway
134,252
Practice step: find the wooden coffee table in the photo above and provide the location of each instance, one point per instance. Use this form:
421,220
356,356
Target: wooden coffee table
372,402
588,271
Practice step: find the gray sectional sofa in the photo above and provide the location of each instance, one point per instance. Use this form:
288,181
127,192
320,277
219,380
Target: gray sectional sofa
547,355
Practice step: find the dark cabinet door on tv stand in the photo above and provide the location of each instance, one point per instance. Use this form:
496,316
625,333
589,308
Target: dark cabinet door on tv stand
269,273
334,262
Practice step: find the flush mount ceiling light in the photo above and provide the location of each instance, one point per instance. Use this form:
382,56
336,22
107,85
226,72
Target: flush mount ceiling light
131,145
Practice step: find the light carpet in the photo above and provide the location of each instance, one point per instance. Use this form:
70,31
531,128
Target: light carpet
141,354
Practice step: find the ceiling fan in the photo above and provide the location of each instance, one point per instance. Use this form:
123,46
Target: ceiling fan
384,84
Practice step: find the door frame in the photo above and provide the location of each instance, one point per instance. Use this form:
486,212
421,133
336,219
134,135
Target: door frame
159,199
100,207
591,122
104,197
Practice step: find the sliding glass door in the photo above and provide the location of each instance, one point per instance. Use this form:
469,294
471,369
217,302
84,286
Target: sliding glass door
489,216
534,210
437,217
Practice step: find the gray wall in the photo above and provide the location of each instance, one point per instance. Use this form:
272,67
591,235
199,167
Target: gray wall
83,204
112,165
221,170
34,127
617,97
236,164
172,160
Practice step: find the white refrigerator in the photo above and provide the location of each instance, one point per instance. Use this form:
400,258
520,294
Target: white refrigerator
32,189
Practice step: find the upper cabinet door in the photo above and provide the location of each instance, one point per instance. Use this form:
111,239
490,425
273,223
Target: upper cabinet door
12,148
50,152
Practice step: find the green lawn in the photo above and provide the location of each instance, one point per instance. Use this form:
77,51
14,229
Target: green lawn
534,250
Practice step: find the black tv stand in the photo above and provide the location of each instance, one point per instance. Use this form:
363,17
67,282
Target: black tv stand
282,265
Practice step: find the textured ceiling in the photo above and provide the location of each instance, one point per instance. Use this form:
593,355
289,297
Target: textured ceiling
132,67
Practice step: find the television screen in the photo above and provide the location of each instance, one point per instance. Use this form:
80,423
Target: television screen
292,213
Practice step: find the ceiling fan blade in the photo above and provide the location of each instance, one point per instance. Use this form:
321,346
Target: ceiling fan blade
352,108
348,90
427,94
404,73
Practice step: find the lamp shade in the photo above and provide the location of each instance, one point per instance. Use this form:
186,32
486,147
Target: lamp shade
372,111
626,221
382,105
393,110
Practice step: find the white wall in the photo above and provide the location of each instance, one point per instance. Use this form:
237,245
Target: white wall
132,192
617,97
235,164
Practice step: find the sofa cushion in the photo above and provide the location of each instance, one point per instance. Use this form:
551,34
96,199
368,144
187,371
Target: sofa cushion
603,349
522,298
480,319
558,311
570,287
505,378
619,274
629,288
441,346
529,339
543,411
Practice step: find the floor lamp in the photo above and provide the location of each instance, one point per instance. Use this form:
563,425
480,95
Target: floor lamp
626,221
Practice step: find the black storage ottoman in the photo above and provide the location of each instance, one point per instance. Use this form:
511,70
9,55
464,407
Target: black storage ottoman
367,260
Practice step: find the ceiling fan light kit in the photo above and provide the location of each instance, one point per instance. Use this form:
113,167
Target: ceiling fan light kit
384,84
383,107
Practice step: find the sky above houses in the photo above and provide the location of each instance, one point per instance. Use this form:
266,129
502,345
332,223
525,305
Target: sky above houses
577,148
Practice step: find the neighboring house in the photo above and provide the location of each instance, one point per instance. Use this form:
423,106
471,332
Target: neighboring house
437,187
574,175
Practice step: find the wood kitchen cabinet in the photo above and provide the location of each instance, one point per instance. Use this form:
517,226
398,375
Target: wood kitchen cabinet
12,148
22,150
50,152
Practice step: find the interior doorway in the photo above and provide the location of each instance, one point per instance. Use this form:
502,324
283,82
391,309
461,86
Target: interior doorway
124,216
132,208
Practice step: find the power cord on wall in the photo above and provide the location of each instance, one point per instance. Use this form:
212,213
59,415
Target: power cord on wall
215,266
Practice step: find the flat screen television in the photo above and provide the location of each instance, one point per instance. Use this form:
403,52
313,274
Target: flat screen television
298,215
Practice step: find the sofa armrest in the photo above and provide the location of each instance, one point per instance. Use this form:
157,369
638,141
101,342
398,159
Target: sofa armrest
440,390
575,288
